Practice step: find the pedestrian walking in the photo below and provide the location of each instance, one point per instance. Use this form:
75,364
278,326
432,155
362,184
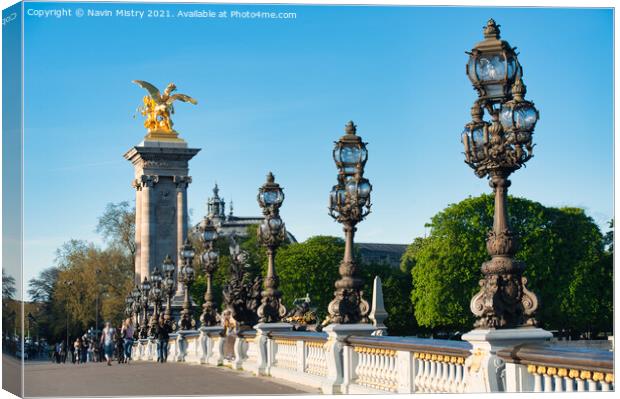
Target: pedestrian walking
163,335
63,352
77,349
120,345
107,339
127,332
84,349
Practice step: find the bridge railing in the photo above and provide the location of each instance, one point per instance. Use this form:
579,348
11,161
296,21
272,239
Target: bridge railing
297,356
557,368
362,364
404,365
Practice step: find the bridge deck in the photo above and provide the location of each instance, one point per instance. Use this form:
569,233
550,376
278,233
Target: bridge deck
141,378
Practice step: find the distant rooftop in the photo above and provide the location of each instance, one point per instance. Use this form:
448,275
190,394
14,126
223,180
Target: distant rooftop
231,224
382,253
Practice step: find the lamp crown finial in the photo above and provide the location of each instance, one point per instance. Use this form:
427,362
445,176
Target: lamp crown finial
270,178
491,30
350,128
518,88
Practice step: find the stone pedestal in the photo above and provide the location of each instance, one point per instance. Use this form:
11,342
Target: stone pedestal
336,334
266,355
484,370
161,180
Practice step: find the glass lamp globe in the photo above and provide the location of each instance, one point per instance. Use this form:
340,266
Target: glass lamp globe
493,66
270,194
272,197
209,232
136,293
168,265
518,117
187,252
350,153
363,189
275,223
474,138
350,157
146,285
337,197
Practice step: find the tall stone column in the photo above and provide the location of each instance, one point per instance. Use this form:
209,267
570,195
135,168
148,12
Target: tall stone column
137,184
161,180
147,227
182,182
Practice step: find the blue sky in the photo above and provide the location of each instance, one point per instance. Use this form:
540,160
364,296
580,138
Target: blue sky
275,94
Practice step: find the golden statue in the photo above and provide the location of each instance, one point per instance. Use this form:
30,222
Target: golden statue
157,109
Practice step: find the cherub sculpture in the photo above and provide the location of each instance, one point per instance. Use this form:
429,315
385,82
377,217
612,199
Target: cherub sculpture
158,107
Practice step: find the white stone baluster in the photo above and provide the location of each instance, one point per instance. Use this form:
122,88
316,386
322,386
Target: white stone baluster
547,387
581,386
557,384
460,377
427,375
538,387
419,368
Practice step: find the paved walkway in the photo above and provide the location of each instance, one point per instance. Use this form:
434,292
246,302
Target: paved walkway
146,379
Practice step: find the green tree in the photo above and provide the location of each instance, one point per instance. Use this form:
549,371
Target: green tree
118,227
310,268
562,247
78,261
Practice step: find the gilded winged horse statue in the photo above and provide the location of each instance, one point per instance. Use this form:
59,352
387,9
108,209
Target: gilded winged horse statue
157,107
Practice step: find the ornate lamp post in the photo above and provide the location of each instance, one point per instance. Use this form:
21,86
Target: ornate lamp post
271,234
156,296
210,259
128,305
187,321
136,304
168,285
349,204
144,298
494,150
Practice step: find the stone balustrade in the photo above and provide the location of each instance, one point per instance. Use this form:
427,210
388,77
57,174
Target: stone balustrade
383,364
298,357
556,368
404,365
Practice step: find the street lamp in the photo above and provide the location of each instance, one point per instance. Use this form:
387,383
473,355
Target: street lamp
271,233
494,150
168,285
187,321
128,305
210,259
144,297
136,304
156,296
349,204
